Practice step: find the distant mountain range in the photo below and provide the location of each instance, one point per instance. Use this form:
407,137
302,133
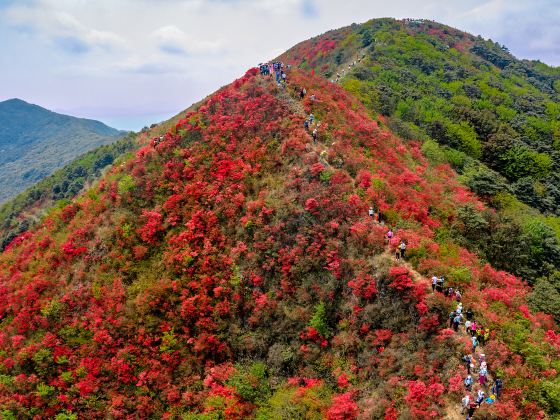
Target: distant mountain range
34,142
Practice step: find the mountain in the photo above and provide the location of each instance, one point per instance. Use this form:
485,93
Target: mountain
468,94
494,118
34,142
231,270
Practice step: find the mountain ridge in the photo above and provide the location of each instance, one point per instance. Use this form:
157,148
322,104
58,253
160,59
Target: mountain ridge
35,141
230,269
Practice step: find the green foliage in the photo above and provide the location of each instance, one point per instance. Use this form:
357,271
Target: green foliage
284,404
52,309
20,213
66,416
319,320
126,184
43,361
45,390
523,162
545,296
252,383
169,342
550,396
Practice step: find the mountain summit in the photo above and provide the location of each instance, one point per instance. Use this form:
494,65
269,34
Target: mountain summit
270,256
35,141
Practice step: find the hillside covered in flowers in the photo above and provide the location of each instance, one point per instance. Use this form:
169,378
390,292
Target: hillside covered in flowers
231,270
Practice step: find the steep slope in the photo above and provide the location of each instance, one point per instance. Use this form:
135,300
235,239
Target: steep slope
494,118
231,270
34,142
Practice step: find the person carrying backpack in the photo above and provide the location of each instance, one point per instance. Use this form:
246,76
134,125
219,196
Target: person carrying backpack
470,412
473,328
480,335
498,384
389,236
479,397
456,322
370,212
440,284
486,335
468,382
482,375
451,318
468,362
469,314
402,247
465,402
311,118
474,343
315,135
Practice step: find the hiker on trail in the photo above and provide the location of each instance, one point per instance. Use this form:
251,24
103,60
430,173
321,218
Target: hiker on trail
315,134
312,98
370,212
440,284
379,217
389,236
306,125
451,292
311,118
459,309
482,359
465,402
451,318
467,359
474,344
283,77
473,328
397,253
456,322
482,375
470,412
302,93
434,283
402,247
446,292
486,335
497,388
469,314
479,397
468,382
480,335
457,295
468,326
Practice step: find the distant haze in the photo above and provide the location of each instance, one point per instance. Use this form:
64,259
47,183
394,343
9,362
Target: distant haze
130,63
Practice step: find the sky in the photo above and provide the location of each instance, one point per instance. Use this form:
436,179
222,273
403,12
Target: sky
130,63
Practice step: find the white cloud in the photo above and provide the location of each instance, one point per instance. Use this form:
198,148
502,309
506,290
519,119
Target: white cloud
170,39
62,29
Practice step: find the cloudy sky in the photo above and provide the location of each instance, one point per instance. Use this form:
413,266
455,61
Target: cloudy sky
132,62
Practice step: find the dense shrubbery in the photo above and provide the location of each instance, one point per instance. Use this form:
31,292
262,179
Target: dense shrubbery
231,271
18,214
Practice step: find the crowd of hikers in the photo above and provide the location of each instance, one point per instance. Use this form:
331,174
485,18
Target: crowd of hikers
276,68
475,363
